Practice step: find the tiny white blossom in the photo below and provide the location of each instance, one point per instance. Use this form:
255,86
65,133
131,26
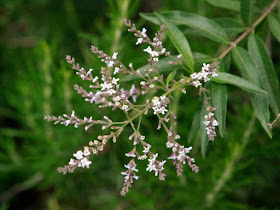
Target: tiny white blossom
111,63
111,91
139,41
125,108
86,152
72,162
89,71
115,55
115,81
78,155
106,85
143,32
73,114
95,79
85,162
117,69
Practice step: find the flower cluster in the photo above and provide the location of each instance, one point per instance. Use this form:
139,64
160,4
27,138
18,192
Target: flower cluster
160,104
204,74
210,122
129,176
106,91
156,166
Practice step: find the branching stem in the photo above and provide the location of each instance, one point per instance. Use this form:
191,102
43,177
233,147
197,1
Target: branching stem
250,29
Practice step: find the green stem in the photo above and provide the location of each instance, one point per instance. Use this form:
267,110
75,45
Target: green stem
250,29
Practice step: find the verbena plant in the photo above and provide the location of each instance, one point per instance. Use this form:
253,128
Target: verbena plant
155,92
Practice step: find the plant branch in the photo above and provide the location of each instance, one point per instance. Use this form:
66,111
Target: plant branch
250,29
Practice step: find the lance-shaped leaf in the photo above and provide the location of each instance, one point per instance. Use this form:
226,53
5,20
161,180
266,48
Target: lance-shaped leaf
219,100
230,25
227,62
179,41
170,77
227,78
205,26
248,70
247,9
274,25
200,58
259,54
194,131
226,4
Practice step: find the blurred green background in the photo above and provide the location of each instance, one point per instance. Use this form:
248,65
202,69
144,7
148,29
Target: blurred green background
240,171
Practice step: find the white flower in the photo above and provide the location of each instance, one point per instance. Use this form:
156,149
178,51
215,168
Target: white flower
144,30
148,50
196,83
78,155
73,114
139,41
111,91
117,69
89,71
117,98
106,85
115,55
142,83
215,123
110,63
72,162
154,53
206,122
86,152
156,101
95,79
67,122
85,162
125,108
205,67
115,81
194,76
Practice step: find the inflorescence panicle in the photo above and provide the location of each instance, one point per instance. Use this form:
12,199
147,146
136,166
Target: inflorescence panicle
107,92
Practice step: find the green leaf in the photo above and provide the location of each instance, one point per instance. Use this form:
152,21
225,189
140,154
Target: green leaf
203,134
179,41
193,134
170,77
227,62
247,9
200,58
219,100
230,25
274,25
227,78
249,72
259,54
206,27
226,4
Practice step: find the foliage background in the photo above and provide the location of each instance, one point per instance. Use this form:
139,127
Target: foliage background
240,171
